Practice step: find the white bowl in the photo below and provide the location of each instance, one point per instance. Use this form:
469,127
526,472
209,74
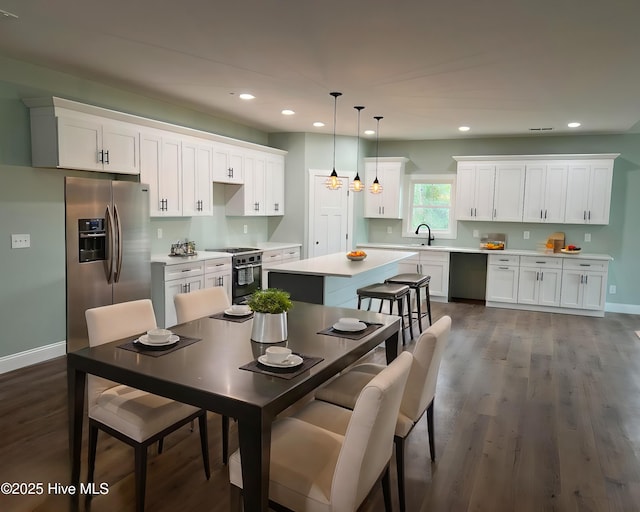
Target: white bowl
159,335
349,320
278,355
240,309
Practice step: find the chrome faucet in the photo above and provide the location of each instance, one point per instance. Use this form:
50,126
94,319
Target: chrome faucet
429,238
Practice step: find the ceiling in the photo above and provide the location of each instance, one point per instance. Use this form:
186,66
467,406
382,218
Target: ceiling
500,67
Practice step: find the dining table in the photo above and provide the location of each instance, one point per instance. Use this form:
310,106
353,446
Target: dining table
212,373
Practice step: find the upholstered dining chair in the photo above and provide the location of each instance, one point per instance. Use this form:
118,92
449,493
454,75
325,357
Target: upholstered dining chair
419,393
315,470
199,303
135,417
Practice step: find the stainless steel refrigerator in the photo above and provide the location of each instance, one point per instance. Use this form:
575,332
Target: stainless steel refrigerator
108,248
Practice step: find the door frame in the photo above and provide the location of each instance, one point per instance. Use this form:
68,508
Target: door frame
312,174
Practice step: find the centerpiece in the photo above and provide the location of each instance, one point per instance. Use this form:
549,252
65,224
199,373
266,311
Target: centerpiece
270,308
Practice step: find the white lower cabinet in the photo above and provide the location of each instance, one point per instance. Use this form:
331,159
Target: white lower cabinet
584,284
434,264
217,272
502,278
539,281
275,257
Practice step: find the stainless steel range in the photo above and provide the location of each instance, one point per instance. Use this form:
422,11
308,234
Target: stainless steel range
246,275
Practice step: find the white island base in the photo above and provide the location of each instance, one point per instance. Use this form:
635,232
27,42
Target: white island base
333,279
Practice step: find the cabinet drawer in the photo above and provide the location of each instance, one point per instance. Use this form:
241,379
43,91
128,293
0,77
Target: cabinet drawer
503,259
540,261
580,264
271,257
217,265
434,256
293,253
183,270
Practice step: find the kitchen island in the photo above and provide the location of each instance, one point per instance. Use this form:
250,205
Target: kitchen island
333,279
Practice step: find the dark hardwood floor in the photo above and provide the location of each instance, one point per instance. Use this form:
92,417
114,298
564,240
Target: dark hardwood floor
534,412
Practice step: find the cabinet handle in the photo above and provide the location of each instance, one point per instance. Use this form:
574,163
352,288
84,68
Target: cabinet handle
276,207
584,215
230,172
495,213
545,215
106,156
101,156
537,276
540,213
503,268
470,212
475,212
256,207
581,279
586,279
503,259
541,276
541,262
589,214
585,264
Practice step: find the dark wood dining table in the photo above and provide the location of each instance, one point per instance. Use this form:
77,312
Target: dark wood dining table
207,374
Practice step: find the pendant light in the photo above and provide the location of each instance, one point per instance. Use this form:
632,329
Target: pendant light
375,187
333,182
356,184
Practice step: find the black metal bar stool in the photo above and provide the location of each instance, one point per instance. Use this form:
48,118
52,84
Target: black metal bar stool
415,282
392,292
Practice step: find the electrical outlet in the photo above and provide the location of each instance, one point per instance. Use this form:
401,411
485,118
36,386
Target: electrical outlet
389,230
526,235
476,233
20,241
159,233
246,229
612,289
587,237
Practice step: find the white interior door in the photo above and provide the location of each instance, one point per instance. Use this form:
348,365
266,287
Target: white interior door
330,216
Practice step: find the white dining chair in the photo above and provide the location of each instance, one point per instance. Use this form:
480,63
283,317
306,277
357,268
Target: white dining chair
200,303
315,470
419,393
135,417
197,304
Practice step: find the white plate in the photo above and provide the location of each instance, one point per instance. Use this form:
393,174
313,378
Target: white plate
231,312
292,361
350,327
144,339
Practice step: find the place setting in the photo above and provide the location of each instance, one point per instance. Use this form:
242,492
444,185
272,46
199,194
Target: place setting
281,362
158,342
352,328
235,313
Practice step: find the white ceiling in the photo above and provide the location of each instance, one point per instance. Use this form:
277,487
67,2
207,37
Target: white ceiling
498,66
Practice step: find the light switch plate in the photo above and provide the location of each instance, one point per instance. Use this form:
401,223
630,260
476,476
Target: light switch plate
587,237
389,230
476,233
526,235
159,233
246,229
20,241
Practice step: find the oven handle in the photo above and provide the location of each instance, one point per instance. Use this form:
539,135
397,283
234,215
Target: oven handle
241,267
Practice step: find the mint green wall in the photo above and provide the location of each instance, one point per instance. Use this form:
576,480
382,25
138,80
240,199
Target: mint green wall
620,239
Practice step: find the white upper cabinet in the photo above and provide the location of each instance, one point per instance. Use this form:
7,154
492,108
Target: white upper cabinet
197,188
228,164
390,172
570,189
161,168
589,192
275,185
545,192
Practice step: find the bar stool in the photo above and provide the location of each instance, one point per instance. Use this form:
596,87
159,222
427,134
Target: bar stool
415,282
392,292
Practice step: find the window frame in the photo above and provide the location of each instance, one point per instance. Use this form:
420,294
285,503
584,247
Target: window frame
409,182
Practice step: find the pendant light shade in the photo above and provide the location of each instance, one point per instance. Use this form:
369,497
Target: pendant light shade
375,187
333,182
356,184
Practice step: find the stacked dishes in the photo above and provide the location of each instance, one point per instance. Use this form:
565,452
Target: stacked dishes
158,338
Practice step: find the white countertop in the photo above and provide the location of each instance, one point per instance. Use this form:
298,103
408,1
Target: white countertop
165,259
515,252
274,246
338,265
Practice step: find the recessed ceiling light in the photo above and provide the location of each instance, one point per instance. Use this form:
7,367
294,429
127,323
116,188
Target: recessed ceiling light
7,14
287,112
369,132
573,124
464,128
318,124
247,96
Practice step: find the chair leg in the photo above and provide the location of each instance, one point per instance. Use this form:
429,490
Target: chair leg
225,440
386,489
419,307
235,498
140,475
160,445
428,304
432,434
204,443
408,299
93,444
402,324
399,442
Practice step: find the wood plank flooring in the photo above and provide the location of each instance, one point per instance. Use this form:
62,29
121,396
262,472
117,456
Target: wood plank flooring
534,412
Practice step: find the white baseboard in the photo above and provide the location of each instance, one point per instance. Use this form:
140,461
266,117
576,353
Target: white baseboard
32,356
629,309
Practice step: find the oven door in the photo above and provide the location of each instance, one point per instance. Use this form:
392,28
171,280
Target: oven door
247,278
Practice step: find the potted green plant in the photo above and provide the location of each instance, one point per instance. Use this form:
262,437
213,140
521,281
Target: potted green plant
270,308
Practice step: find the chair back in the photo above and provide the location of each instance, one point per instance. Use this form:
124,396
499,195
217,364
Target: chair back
199,303
113,322
368,441
427,354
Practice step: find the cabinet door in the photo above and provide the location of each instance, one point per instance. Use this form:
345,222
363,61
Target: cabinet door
534,194
120,143
436,266
465,192
594,289
528,285
227,164
372,202
549,287
571,292
197,189
484,192
577,194
390,178
150,146
508,200
170,177
250,198
555,193
79,144
171,289
599,201
275,186
502,283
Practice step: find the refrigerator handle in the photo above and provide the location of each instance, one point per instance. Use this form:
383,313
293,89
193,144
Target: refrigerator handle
116,216
108,263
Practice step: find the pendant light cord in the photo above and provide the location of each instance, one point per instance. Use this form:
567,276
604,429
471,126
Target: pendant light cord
377,118
335,107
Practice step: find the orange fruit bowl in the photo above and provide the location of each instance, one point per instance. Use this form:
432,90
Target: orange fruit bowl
356,255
